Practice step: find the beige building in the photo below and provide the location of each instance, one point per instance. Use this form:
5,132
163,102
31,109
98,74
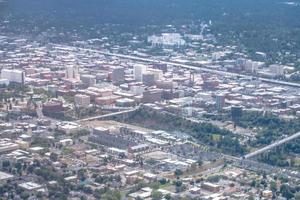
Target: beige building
82,100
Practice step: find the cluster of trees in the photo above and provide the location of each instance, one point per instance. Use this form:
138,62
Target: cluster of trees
203,132
58,115
102,179
269,128
275,158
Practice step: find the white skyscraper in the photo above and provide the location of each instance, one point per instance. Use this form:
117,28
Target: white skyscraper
138,71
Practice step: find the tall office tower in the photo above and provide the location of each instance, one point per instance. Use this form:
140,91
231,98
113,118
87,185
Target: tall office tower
118,75
138,71
13,75
72,72
240,62
252,66
236,113
148,78
220,101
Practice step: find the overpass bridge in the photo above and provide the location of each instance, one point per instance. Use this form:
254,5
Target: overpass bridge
109,116
272,146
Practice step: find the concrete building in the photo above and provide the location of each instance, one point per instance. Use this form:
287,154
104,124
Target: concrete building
4,177
104,137
236,113
252,66
53,106
211,187
32,188
82,100
125,102
148,78
68,127
72,73
152,95
6,145
138,71
158,74
167,40
277,70
118,75
87,79
4,82
13,75
220,101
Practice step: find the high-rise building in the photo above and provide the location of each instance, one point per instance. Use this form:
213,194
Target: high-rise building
236,113
252,66
118,75
72,73
13,75
220,101
240,62
148,78
138,71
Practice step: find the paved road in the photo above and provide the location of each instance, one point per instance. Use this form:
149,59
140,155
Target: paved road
273,145
107,115
185,66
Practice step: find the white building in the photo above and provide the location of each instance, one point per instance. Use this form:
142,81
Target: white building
6,145
13,75
158,74
68,127
4,82
252,66
277,70
82,100
167,40
138,71
72,73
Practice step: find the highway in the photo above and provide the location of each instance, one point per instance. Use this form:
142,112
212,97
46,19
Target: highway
273,145
185,66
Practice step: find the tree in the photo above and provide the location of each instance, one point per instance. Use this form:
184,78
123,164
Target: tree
178,172
273,186
24,195
112,195
168,197
53,157
156,195
81,174
18,166
286,191
163,181
200,162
